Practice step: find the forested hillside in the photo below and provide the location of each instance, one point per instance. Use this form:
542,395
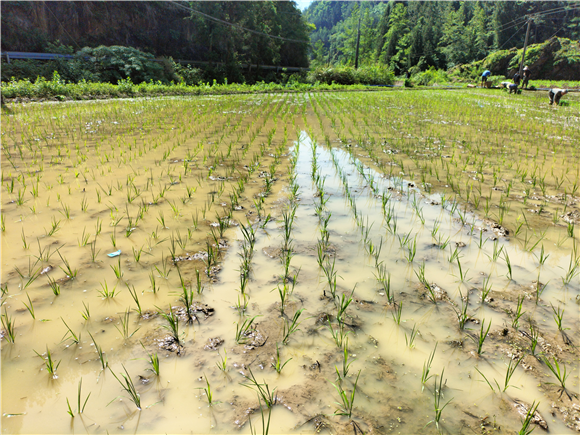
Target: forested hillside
436,34
196,31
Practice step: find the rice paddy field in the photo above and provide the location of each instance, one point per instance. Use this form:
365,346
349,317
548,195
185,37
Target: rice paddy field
348,262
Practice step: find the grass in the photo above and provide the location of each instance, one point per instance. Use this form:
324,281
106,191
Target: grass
243,329
50,364
346,403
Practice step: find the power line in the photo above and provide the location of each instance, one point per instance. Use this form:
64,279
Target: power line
227,23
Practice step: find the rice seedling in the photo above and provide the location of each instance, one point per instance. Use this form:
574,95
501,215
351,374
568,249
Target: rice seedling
346,403
107,293
291,326
124,330
263,390
425,376
397,312
8,325
117,269
437,402
86,313
558,317
342,304
223,363
172,324
339,334
100,353
29,306
80,409
55,226
561,375
485,288
70,335
278,365
527,421
243,330
461,313
345,363
71,273
50,364
518,313
128,386
410,339
480,339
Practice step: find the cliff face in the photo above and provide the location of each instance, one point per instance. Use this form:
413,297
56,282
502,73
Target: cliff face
155,27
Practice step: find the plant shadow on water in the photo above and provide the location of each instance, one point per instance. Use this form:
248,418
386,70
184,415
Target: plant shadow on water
334,279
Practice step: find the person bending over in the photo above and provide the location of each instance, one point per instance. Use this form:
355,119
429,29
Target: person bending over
556,94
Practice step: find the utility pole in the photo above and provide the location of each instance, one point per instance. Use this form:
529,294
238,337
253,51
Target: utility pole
525,45
357,39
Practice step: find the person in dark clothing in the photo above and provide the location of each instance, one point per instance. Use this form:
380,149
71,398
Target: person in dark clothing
517,79
527,74
556,94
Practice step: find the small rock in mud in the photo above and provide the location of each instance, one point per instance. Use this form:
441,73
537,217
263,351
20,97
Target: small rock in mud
460,244
372,340
323,318
169,343
213,343
46,269
523,408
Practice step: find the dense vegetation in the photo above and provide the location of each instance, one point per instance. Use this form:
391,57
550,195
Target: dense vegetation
420,34
179,30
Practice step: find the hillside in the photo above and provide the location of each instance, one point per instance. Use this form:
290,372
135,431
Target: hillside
555,59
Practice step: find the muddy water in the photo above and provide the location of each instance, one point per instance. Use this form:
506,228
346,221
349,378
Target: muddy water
389,394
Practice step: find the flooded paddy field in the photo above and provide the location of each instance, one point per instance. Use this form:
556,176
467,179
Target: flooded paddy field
386,262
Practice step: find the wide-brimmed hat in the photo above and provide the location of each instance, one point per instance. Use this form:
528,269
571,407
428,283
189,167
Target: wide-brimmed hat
526,68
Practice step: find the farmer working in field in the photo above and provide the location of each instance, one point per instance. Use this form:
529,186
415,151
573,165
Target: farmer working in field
556,94
527,74
484,77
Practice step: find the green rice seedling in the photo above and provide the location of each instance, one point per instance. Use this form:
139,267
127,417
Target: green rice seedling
100,353
384,279
124,329
106,293
278,365
480,339
94,252
117,269
485,288
55,226
25,245
508,264
263,390
243,330
342,304
410,339
50,365
462,274
153,360
481,242
67,269
3,222
198,284
558,317
153,283
518,313
135,297
397,312
84,204
70,335
223,363
570,230
438,396
512,366
573,267
80,409
208,392
29,306
454,255
242,304
346,401
84,240
98,227
461,313
338,334
543,257
172,324
496,252
345,362
291,326
129,387
86,313
560,374
65,211
425,376
8,325
527,429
